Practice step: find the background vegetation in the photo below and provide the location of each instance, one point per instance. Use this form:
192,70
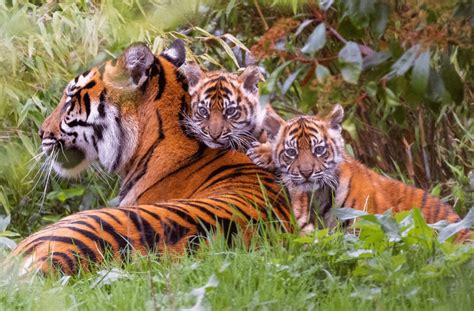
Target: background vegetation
402,70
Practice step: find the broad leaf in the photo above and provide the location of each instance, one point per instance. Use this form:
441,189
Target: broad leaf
452,81
350,60
421,73
8,243
390,226
375,59
404,63
289,81
316,40
4,222
322,73
452,229
346,213
325,4
380,18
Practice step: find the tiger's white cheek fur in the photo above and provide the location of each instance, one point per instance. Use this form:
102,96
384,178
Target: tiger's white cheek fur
111,140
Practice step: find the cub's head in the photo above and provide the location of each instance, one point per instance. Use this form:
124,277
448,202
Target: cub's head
224,106
306,150
96,118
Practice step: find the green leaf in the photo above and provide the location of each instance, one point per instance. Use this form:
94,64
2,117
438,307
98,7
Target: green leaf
436,90
380,18
346,213
289,81
452,81
421,73
371,89
325,4
375,59
391,98
4,222
316,40
322,73
450,230
390,226
404,63
350,60
9,243
66,194
229,8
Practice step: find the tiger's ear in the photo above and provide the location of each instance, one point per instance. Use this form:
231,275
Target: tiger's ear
176,53
335,118
250,78
272,122
137,59
193,74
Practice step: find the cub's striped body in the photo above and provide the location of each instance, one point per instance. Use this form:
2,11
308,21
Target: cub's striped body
308,153
127,114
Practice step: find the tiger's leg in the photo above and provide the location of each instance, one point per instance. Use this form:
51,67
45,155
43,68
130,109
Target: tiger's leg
301,211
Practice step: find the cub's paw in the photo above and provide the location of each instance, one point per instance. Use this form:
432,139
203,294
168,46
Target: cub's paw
261,155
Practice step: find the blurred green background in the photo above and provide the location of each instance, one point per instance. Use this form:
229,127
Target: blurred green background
401,69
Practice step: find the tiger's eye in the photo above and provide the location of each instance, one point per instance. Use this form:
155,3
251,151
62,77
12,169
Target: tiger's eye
230,111
290,152
319,149
202,111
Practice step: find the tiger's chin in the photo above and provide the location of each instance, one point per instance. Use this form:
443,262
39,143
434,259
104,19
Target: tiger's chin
70,162
306,186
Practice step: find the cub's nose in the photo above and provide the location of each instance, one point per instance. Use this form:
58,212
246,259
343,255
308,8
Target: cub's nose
306,173
41,133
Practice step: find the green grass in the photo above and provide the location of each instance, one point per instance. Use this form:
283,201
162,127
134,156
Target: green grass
278,271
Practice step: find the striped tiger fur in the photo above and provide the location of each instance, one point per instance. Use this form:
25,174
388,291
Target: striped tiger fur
308,153
127,115
225,110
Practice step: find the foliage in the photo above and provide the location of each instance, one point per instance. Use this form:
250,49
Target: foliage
278,271
400,69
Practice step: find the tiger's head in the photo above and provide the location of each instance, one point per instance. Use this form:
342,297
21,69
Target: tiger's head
97,116
225,108
306,150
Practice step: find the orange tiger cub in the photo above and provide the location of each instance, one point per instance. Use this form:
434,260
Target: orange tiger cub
308,153
225,110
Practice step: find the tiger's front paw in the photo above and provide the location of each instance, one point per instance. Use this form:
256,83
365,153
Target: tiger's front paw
261,155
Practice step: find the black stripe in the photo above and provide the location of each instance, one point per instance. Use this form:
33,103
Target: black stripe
83,248
70,262
148,236
145,159
161,80
103,244
349,186
84,223
110,215
122,242
101,107
119,147
423,199
85,73
89,85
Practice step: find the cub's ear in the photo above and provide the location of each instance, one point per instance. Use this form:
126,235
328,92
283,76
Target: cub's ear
176,53
335,118
193,74
137,59
250,78
272,122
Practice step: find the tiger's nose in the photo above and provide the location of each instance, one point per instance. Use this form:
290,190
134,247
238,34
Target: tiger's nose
306,172
41,133
46,134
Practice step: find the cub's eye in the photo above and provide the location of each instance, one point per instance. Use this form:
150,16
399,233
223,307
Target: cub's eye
202,111
290,152
230,111
319,150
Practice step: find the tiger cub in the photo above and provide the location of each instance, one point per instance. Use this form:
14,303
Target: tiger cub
225,110
308,152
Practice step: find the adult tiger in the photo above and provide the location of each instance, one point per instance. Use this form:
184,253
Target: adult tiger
127,114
